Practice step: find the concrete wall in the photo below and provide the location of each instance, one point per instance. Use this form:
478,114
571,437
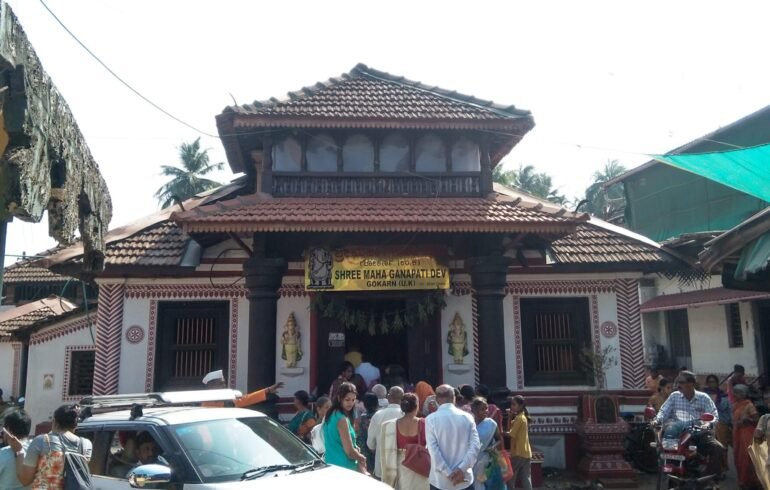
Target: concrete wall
48,368
711,351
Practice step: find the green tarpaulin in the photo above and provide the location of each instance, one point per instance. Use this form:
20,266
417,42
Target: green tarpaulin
746,169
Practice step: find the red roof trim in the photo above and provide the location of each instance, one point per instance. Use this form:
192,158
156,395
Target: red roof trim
694,299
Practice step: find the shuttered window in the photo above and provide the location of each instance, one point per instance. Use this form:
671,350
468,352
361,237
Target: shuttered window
734,332
81,375
554,333
193,338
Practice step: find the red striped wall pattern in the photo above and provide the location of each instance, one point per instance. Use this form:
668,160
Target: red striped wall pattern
109,329
630,333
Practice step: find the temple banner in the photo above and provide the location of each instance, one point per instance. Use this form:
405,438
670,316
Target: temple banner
356,270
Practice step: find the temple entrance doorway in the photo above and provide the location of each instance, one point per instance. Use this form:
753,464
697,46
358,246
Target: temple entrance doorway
414,348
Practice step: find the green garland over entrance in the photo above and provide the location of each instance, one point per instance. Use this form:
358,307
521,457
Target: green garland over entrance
416,312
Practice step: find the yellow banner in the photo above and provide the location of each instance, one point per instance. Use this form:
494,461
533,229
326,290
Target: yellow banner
354,270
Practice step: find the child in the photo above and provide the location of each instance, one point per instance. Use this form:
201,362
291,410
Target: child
521,452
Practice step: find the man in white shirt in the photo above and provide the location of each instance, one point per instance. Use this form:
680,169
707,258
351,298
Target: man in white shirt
391,412
453,443
369,372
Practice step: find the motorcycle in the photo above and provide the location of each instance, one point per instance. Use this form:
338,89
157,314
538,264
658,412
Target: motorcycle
683,460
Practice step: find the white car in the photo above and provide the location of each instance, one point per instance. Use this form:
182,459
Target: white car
201,448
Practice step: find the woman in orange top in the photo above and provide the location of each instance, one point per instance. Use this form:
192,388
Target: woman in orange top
745,417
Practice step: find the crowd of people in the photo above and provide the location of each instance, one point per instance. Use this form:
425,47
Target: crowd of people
738,422
413,437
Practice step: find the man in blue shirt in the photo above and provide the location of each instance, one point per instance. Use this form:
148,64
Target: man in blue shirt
18,424
453,443
685,406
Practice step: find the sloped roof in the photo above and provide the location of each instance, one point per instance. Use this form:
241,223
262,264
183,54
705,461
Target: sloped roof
148,241
369,98
366,93
594,244
441,214
28,271
29,314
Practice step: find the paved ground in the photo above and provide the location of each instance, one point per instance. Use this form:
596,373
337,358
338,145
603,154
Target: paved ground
644,481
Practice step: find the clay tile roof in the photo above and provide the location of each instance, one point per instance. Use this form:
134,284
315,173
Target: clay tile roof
594,243
443,214
29,314
366,93
29,270
162,244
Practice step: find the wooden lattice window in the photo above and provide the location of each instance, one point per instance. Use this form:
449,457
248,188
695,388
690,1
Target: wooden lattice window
734,332
81,375
193,339
554,333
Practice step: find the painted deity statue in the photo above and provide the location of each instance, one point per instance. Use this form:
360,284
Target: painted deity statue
291,351
457,339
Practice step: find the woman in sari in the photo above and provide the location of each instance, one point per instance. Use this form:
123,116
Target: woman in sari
745,417
759,451
304,420
396,435
487,473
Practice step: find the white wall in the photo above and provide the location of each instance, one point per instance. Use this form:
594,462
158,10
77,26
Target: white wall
709,344
48,358
133,357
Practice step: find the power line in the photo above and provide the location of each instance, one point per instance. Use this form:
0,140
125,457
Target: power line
118,78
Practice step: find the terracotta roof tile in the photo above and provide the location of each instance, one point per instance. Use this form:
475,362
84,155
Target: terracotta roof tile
29,314
366,93
160,245
443,214
593,244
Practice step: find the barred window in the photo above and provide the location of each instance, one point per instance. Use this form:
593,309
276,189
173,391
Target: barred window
81,375
193,339
554,333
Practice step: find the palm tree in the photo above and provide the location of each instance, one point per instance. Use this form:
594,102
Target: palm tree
528,180
187,181
602,201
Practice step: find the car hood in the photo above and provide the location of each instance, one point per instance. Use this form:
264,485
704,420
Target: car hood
328,477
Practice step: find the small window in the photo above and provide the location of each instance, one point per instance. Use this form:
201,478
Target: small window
394,153
287,155
734,332
430,154
554,333
81,380
358,154
322,154
466,156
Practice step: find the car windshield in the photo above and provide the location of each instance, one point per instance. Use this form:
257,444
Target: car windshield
223,450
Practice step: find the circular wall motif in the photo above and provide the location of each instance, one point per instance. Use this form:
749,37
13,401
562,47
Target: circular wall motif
608,329
134,334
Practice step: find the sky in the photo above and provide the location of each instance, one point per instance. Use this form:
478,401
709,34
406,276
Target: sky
604,80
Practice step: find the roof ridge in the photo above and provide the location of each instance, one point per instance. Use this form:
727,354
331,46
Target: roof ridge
361,70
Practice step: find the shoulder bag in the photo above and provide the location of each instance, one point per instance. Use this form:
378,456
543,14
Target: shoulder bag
417,457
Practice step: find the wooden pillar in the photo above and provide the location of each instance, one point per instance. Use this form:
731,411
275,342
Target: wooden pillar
486,180
263,278
488,281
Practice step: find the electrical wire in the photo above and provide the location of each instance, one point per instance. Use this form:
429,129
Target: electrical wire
121,80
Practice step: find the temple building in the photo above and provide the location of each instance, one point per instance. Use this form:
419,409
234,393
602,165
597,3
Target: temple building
367,217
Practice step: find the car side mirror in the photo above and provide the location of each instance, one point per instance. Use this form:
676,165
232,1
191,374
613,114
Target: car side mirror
707,417
649,412
149,474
